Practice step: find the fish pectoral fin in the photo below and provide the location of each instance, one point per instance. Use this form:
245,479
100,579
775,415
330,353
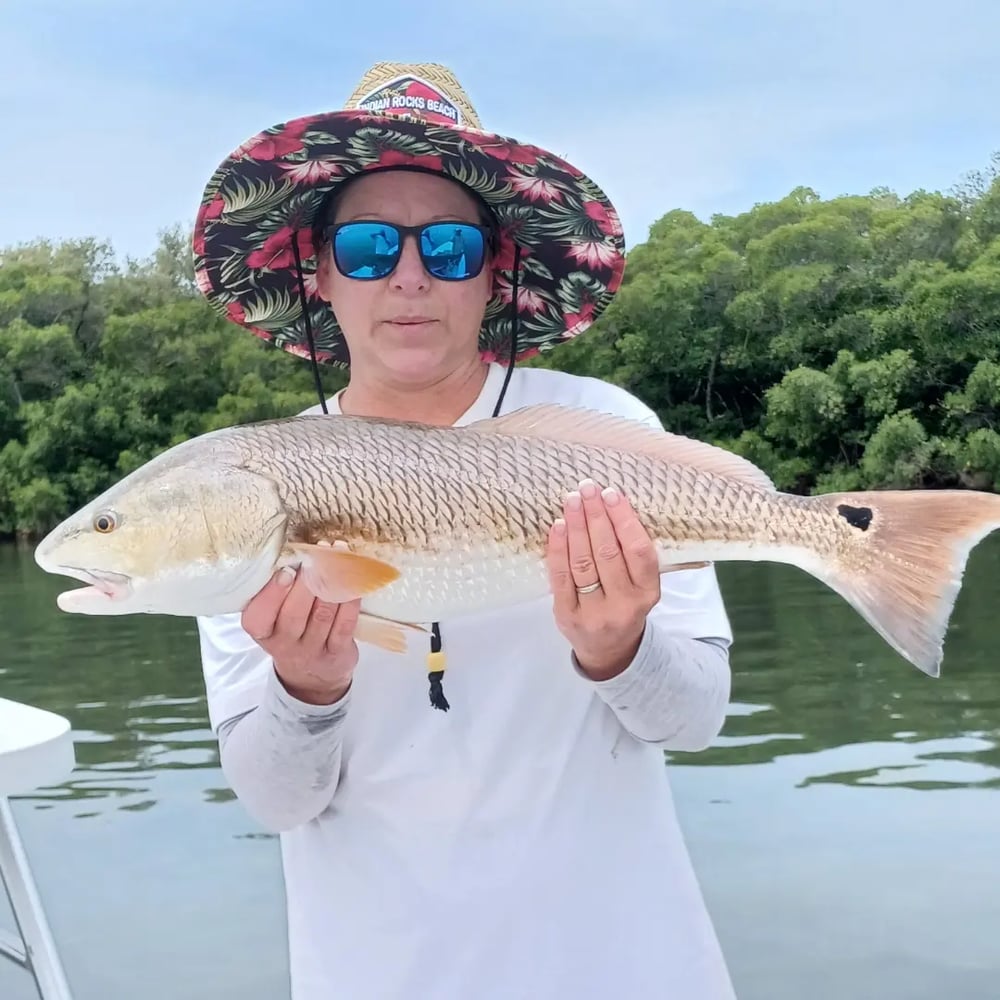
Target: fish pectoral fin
336,575
385,633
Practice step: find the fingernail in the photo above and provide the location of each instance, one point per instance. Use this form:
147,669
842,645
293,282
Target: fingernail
611,496
559,526
286,576
573,501
588,488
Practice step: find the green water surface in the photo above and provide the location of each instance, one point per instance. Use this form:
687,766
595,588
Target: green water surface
845,826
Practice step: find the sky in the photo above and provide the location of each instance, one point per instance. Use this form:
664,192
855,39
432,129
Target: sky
115,113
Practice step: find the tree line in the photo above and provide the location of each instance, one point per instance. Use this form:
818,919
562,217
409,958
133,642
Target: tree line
841,343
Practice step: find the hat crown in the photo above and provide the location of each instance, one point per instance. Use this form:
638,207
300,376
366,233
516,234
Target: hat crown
424,92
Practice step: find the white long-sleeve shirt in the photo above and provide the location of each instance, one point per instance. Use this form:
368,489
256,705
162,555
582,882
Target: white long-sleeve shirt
523,844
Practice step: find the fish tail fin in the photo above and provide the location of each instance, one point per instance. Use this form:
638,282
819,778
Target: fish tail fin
921,541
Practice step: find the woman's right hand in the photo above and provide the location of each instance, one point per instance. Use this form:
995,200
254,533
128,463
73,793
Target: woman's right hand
310,641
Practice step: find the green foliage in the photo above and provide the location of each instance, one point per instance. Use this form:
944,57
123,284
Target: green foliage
848,343
980,455
898,451
103,366
841,344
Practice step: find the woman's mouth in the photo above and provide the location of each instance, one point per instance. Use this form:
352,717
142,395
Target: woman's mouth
408,322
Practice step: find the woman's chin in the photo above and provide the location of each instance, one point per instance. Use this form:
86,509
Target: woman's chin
421,362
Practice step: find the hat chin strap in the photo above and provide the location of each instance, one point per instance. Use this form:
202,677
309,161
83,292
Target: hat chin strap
513,329
300,281
436,663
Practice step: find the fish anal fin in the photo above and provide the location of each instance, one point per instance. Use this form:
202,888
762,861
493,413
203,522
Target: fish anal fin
389,635
555,422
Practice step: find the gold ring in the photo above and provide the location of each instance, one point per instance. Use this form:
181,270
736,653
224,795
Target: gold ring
590,588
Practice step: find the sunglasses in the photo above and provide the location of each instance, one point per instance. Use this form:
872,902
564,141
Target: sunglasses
369,250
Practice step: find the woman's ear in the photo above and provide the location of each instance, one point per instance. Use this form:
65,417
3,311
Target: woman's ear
324,270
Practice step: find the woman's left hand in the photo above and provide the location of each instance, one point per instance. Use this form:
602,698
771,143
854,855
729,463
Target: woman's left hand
605,578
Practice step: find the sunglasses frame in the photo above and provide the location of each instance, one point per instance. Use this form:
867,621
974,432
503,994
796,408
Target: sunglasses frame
330,233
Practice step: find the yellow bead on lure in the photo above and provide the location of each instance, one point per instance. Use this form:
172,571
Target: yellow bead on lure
444,521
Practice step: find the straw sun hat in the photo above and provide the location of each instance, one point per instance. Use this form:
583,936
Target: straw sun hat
560,238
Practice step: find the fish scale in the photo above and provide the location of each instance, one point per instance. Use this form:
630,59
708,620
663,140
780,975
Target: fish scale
509,489
466,520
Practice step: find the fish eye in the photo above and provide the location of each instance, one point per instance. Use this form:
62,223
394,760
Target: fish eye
104,523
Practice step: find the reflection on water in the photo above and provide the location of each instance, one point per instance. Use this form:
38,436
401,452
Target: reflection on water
130,686
143,737
811,679
839,760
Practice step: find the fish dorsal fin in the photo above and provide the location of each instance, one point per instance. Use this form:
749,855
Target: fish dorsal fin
555,422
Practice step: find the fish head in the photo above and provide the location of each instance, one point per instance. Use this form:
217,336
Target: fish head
178,538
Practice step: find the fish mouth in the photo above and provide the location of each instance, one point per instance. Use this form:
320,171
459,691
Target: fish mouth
102,586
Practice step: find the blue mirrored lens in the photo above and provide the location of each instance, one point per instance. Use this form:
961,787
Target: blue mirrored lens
451,251
366,249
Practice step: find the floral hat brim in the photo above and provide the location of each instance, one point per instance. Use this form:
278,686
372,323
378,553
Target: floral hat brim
266,194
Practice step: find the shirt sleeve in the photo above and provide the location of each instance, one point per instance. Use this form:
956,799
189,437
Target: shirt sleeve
280,756
675,692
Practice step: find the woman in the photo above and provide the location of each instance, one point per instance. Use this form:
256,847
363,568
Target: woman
524,843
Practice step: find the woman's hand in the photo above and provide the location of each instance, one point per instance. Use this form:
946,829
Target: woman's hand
311,642
605,578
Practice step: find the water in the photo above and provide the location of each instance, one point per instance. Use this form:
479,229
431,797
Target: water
844,826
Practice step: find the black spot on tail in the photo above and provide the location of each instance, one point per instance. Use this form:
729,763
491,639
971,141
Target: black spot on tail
856,517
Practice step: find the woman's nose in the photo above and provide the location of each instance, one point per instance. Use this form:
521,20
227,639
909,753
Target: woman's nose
410,272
